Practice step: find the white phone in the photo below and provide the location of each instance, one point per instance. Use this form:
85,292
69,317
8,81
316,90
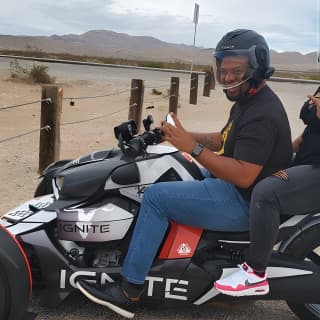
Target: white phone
170,120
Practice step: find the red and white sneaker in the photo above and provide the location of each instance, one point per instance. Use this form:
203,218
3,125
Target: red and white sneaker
243,282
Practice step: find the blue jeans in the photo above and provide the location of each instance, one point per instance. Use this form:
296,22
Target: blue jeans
210,204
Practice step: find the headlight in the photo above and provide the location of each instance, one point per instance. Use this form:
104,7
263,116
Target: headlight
59,182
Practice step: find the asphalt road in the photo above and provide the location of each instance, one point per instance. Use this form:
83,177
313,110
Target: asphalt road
78,307
292,94
63,72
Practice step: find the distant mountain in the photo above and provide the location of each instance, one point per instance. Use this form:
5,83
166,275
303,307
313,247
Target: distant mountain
293,58
103,43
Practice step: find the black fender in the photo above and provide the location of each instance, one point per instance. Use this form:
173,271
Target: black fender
45,185
15,278
302,245
314,222
52,167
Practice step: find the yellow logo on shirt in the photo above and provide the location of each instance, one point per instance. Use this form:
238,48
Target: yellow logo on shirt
224,137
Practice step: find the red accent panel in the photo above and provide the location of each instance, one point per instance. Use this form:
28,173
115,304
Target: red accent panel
187,156
23,254
181,242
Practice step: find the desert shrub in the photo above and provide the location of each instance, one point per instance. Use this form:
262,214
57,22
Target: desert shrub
152,64
16,71
314,77
156,91
39,74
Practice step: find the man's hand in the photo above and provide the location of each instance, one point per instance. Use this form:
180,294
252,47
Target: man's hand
316,101
240,173
177,135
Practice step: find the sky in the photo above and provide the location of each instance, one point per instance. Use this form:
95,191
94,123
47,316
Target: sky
287,25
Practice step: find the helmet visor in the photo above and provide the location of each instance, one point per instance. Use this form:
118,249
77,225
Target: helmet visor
234,67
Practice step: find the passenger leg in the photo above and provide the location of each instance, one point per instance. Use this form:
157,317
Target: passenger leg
297,192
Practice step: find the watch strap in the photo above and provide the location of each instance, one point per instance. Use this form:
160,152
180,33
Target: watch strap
197,150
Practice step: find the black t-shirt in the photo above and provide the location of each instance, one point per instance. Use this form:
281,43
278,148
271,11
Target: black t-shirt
258,132
309,149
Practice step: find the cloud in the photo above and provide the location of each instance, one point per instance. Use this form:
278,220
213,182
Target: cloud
287,25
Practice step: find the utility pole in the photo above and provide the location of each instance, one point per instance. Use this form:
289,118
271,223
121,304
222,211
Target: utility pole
318,55
195,20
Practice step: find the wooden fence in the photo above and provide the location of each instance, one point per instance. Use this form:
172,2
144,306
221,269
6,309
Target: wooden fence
51,109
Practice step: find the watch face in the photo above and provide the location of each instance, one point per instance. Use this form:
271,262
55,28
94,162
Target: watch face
197,150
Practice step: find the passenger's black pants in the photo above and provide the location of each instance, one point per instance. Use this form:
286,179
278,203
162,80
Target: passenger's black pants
299,194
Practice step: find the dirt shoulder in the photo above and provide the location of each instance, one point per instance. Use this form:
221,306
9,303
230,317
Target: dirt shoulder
19,157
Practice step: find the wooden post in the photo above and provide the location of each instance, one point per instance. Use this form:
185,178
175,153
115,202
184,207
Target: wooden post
49,149
193,88
207,84
174,95
213,83
136,101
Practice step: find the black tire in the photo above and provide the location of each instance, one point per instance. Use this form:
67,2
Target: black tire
15,278
4,295
303,247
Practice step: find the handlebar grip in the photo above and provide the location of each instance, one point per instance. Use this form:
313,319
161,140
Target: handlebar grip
137,145
152,136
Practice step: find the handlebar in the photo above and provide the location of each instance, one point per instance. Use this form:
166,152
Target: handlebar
154,136
132,144
138,144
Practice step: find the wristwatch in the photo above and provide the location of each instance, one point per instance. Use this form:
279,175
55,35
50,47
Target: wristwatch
197,150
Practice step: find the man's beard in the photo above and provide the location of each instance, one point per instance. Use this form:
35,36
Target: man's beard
233,98
243,93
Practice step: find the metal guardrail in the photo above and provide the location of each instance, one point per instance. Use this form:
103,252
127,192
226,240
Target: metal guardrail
298,71
95,64
305,81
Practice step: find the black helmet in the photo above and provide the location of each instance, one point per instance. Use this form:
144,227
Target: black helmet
248,43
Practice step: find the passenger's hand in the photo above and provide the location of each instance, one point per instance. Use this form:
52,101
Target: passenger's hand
177,135
316,101
281,174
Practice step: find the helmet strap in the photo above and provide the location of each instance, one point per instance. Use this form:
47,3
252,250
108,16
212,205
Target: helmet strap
247,93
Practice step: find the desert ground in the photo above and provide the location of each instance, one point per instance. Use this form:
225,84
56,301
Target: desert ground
19,156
